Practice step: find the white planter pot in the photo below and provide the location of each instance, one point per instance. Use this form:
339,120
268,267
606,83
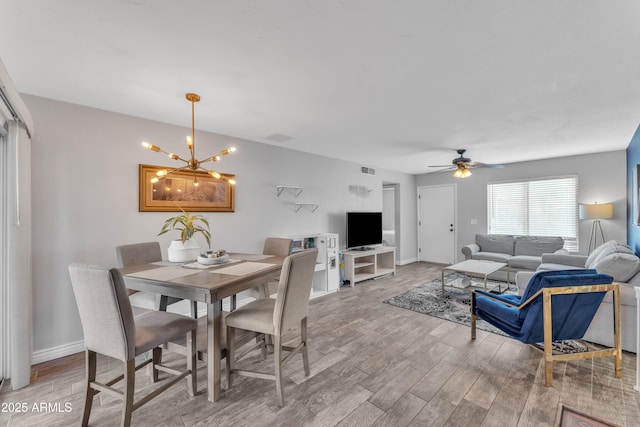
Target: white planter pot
183,252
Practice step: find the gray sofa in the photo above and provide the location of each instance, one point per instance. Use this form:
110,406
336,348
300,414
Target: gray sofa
617,260
521,253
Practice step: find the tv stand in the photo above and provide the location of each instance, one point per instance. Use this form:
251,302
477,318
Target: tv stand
362,249
368,263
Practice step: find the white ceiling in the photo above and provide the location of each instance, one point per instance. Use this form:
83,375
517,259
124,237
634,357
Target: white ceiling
398,84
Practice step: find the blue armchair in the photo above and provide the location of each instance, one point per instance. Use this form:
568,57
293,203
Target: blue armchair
532,318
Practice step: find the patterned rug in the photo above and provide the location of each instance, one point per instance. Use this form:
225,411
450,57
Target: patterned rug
455,307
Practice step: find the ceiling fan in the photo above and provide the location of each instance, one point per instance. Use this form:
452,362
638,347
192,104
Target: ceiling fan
462,165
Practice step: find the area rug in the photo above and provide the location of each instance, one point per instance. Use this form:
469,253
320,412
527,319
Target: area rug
455,307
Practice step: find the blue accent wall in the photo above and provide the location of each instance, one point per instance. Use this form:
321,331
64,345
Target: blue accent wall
633,160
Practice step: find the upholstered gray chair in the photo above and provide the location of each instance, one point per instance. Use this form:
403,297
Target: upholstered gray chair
111,329
276,246
146,253
138,253
274,318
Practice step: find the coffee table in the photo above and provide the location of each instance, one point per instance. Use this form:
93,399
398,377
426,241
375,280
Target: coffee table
473,267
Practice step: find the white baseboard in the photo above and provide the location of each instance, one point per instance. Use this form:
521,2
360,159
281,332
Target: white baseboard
407,261
52,353
57,352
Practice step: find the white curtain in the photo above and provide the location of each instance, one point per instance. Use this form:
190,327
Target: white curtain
20,325
16,242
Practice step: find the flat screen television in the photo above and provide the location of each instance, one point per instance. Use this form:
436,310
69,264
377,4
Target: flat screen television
363,229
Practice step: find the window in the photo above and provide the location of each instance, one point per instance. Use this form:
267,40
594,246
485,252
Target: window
541,207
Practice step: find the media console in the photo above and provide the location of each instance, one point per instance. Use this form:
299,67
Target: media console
363,265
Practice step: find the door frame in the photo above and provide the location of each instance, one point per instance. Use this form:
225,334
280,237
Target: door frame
455,218
4,283
396,212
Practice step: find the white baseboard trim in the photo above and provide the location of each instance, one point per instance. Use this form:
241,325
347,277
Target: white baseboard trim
68,349
57,352
407,261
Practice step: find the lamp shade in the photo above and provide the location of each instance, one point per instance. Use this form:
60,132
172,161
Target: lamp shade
596,211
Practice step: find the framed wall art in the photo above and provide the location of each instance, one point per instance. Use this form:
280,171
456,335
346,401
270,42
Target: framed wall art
177,192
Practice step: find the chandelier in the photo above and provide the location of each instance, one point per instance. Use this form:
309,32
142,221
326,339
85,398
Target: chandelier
191,164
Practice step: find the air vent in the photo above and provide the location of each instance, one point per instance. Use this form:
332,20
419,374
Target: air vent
367,170
278,137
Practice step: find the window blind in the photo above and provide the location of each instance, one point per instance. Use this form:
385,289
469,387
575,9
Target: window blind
540,207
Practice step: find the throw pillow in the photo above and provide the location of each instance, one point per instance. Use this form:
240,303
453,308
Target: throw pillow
604,250
621,266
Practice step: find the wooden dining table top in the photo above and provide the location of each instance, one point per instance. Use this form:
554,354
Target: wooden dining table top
217,282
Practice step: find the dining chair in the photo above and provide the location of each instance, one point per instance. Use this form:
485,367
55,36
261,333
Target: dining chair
111,329
556,305
273,318
147,253
276,246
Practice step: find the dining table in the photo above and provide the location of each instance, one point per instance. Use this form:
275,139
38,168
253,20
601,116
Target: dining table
207,284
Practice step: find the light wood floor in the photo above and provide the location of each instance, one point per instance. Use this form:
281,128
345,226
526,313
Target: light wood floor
371,364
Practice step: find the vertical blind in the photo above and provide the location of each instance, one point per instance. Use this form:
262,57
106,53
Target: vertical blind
540,207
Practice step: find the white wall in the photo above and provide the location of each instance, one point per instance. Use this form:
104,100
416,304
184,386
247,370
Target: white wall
601,178
85,199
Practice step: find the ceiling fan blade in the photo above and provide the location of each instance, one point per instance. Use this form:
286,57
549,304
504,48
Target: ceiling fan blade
440,166
485,165
444,170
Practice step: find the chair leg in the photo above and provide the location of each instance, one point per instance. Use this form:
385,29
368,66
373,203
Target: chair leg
90,369
162,301
156,360
277,364
194,309
129,387
473,315
265,342
303,338
192,354
548,338
231,354
617,336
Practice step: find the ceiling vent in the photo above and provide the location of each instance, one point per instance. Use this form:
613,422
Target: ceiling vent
278,137
367,170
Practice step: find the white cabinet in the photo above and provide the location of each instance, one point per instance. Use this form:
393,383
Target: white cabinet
327,276
364,265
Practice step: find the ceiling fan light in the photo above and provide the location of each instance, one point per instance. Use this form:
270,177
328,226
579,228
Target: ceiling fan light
461,172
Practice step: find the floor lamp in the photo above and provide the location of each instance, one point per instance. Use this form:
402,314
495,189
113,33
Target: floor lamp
596,212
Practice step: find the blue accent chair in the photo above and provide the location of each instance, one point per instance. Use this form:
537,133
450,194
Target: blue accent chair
556,305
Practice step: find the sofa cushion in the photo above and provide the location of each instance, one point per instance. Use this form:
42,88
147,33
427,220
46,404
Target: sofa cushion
491,256
537,245
524,262
551,266
499,243
621,266
604,250
627,296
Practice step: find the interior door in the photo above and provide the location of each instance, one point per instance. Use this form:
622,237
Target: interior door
436,226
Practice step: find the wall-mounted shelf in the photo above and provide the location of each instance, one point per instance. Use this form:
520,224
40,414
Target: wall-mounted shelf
311,206
293,190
